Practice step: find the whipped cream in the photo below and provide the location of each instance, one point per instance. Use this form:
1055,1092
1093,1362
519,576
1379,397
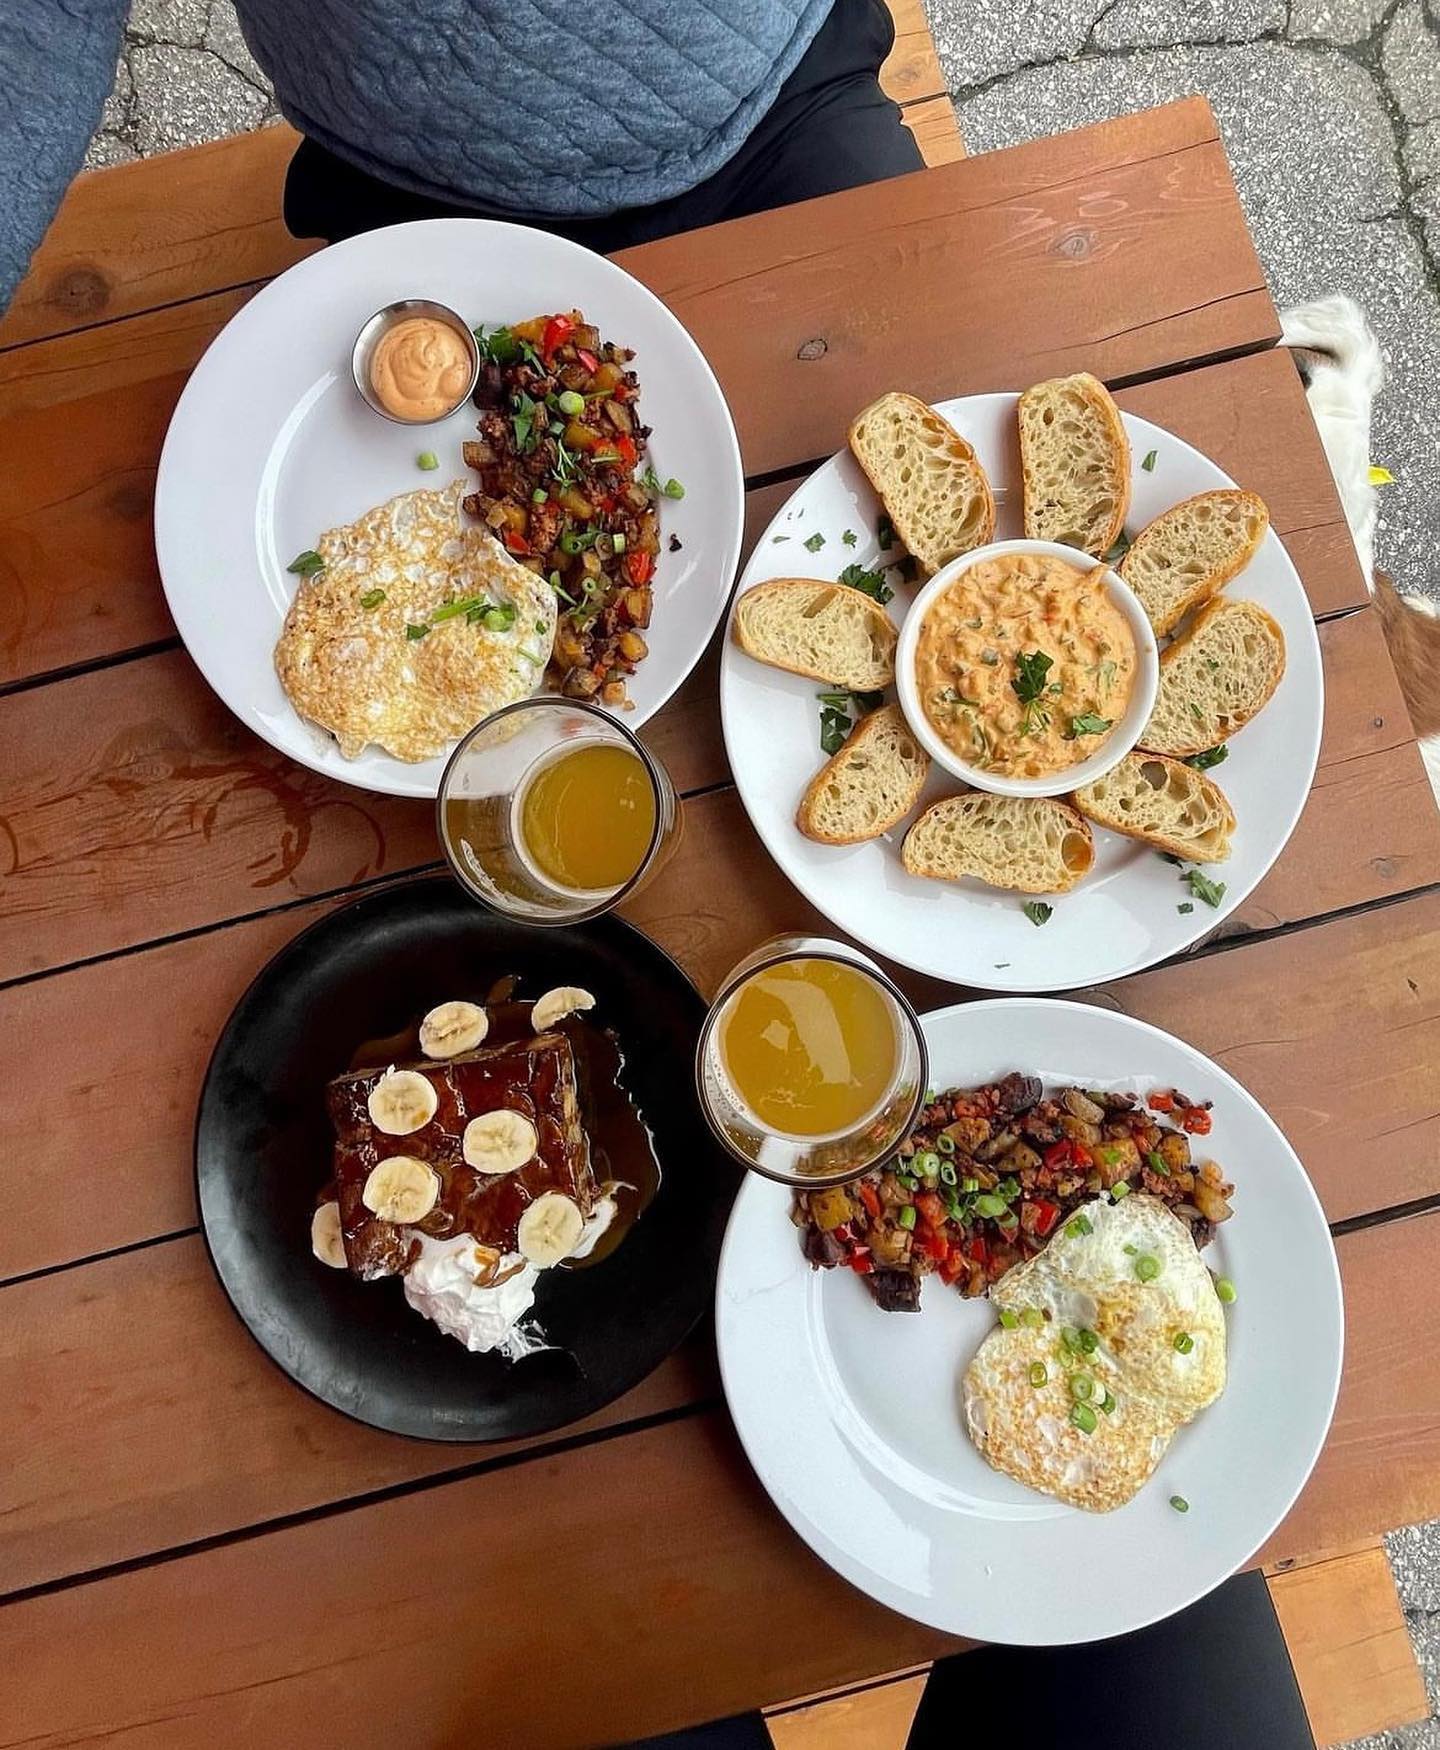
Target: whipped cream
443,1286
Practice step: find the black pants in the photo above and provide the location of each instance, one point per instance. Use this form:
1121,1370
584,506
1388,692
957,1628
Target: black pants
831,127
1215,1677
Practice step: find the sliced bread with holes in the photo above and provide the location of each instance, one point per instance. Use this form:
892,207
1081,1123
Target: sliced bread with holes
1163,803
1216,676
1179,561
1075,463
869,786
929,479
1028,844
825,630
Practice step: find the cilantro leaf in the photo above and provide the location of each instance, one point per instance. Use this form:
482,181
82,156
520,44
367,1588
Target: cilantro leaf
1087,723
1200,884
1213,756
834,728
870,583
849,537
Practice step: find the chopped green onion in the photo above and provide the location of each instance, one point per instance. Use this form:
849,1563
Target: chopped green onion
969,1184
570,403
1156,1163
1184,1342
1080,1226
927,1163
1089,1342
1179,1503
946,1144
906,1181
1081,1386
1009,1318
1107,1405
1039,1373
1120,1189
1032,1318
539,495
372,598
1146,1267
453,609
1083,1417
906,1217
947,1172
1225,1290
306,564
673,489
1009,1189
428,461
989,1204
1070,1337
617,543
1131,1251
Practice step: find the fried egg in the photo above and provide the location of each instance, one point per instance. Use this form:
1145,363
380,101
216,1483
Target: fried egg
1134,1280
352,657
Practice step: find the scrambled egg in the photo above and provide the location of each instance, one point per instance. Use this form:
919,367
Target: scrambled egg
417,625
1098,1288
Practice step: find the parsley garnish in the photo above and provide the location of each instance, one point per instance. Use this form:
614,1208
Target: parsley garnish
869,583
372,598
1087,723
306,564
1029,687
835,709
813,543
522,421
849,537
1149,463
1200,884
1038,912
834,728
1184,907
1213,756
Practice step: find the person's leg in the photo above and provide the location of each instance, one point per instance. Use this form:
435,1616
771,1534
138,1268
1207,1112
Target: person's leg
1215,1677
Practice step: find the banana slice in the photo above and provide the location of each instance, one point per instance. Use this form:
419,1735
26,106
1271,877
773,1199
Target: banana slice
453,1028
565,999
326,1240
401,1101
401,1189
550,1229
499,1142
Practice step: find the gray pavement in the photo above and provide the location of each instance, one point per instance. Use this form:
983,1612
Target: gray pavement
1330,110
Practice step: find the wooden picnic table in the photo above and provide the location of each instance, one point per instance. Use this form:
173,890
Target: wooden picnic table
192,1549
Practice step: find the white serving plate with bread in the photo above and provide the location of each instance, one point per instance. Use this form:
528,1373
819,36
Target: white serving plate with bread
1133,907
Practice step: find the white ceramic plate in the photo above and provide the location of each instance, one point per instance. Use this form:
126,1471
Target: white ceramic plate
271,444
851,1416
1125,915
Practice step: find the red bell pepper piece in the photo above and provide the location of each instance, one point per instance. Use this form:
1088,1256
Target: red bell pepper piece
1162,1102
952,1266
870,1197
1081,1155
976,1249
638,566
933,1243
588,359
1059,1153
1046,1215
625,444
1197,1121
557,331
861,1262
516,543
929,1207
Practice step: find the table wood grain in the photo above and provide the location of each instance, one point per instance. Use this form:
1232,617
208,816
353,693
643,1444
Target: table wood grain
190,1547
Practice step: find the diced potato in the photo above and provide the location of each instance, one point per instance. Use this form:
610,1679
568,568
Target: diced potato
579,436
1116,1160
607,376
633,647
571,498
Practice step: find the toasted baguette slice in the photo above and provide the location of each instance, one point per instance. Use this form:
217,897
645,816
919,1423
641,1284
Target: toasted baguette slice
1215,677
869,786
929,479
1029,844
826,630
1075,463
1181,559
1165,804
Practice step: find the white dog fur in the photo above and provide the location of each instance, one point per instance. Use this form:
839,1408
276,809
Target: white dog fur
1339,357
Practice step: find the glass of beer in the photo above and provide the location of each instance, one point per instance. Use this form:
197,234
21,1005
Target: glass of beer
551,811
811,1065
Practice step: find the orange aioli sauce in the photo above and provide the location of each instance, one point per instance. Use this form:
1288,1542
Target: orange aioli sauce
420,369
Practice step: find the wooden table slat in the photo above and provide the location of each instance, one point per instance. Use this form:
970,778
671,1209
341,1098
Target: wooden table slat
440,1588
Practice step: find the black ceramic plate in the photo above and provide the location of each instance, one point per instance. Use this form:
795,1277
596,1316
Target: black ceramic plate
263,1141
